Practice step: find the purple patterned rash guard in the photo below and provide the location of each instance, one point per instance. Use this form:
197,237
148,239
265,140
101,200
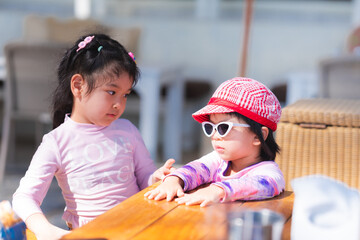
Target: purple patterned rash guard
259,181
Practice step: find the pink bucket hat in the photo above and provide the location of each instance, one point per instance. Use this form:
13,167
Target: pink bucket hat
246,96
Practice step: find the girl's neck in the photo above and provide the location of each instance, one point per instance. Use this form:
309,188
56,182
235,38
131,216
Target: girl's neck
238,165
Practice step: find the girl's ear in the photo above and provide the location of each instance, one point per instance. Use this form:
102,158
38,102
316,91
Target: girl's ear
77,85
265,133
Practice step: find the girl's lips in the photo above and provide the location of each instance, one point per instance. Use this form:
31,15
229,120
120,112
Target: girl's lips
112,115
218,148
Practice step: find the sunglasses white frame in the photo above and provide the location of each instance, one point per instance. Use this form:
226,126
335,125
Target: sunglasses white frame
215,126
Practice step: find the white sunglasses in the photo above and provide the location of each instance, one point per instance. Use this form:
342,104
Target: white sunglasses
223,128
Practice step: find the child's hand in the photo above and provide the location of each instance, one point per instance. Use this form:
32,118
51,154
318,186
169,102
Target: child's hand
170,188
163,171
43,229
204,196
53,233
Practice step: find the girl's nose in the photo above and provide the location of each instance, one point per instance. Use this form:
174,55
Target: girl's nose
116,105
216,136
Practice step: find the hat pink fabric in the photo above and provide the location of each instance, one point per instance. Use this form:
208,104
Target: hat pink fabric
246,96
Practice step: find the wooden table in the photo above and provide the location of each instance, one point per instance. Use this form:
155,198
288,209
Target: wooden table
140,218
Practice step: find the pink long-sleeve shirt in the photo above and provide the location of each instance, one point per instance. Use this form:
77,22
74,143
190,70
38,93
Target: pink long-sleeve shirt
259,181
96,168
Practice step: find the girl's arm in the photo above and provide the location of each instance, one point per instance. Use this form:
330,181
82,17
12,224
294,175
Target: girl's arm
43,229
36,182
198,172
186,178
144,165
253,188
163,171
203,196
261,182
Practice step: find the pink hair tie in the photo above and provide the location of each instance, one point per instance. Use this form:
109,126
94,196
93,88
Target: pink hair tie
132,56
82,44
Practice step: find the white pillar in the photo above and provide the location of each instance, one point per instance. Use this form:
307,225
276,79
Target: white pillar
82,9
208,9
99,8
356,13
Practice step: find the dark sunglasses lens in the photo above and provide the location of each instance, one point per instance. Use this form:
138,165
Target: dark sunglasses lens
223,128
208,128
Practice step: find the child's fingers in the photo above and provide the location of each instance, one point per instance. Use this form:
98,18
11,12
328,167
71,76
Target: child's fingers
205,203
194,202
168,164
167,168
170,196
180,192
182,200
160,196
152,194
190,200
149,195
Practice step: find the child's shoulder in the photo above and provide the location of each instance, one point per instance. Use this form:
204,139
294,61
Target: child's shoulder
211,157
266,166
124,126
123,123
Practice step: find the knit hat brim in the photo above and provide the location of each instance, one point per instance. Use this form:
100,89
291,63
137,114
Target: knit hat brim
245,96
202,115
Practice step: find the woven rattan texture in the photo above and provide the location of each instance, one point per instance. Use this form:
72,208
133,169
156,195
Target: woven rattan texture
334,112
333,151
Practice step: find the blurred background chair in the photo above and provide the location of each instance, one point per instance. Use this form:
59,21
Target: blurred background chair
340,77
31,77
353,41
50,29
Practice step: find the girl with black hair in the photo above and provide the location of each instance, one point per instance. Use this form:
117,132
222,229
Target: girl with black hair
240,119
98,158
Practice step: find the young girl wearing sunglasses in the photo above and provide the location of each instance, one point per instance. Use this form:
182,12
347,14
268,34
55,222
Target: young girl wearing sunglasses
240,119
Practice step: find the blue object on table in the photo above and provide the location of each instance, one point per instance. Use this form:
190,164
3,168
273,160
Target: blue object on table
15,232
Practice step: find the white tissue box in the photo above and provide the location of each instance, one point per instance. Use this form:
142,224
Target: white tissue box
325,208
